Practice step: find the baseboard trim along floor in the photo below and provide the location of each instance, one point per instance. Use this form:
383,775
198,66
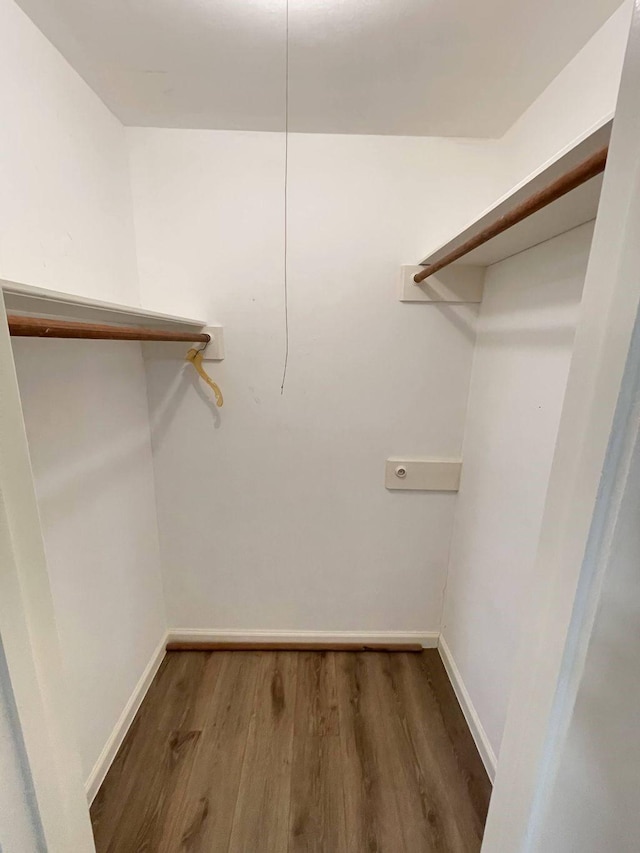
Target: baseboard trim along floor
185,639
105,759
470,714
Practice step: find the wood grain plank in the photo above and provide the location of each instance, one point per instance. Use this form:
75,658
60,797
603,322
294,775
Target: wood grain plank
261,819
372,818
185,708
285,752
428,821
204,671
435,700
417,808
122,783
317,818
205,805
146,819
316,699
154,763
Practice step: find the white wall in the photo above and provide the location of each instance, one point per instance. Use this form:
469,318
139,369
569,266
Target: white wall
66,223
19,822
528,314
524,345
272,511
260,525
91,458
593,805
65,211
595,442
581,97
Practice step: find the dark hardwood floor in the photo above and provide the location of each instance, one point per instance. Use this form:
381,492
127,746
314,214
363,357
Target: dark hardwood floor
284,752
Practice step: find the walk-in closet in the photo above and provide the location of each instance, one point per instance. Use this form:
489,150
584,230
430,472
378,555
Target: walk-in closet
318,418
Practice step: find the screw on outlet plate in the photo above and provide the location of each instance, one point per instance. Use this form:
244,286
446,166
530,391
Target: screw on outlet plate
401,472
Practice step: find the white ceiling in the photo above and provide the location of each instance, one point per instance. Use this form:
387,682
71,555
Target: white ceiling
424,67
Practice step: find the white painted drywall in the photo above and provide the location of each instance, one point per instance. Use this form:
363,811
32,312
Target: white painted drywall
65,212
85,409
244,550
400,67
523,349
581,97
503,489
273,512
66,223
593,805
30,637
600,414
20,828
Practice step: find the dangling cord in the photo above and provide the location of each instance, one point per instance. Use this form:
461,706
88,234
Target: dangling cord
286,179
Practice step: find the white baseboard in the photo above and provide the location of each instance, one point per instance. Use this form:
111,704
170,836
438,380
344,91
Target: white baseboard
102,765
427,639
470,714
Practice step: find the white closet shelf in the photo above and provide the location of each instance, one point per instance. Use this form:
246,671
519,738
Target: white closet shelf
27,299
577,207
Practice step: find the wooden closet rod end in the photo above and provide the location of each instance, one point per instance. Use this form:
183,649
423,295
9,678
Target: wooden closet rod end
43,327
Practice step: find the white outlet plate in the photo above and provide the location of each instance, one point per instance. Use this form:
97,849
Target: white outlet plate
461,283
426,475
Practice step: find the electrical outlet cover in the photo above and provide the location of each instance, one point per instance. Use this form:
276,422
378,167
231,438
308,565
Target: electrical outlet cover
426,475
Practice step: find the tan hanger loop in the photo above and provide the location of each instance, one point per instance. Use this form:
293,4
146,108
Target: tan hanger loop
195,357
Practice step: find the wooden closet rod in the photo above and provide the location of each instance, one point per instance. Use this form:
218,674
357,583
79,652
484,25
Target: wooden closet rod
581,173
41,327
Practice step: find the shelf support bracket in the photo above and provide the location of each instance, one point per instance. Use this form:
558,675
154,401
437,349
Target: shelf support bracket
456,284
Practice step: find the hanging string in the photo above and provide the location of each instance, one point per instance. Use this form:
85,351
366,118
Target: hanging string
286,198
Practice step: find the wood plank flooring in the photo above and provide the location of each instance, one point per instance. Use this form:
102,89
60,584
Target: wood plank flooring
295,752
